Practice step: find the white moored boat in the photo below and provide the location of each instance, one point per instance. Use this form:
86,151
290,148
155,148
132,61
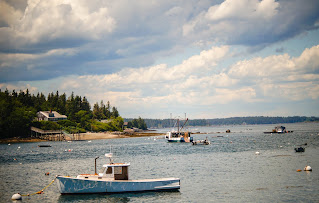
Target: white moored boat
179,135
113,178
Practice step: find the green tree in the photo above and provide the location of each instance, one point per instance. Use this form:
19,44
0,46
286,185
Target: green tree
83,118
96,111
71,107
115,113
85,105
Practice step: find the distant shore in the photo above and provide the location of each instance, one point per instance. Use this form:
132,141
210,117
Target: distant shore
86,136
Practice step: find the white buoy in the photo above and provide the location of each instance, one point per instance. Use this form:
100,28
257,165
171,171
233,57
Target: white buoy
257,153
16,197
307,168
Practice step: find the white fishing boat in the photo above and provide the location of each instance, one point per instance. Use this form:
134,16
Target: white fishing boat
113,178
179,135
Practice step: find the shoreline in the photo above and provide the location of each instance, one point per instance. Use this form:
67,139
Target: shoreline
84,136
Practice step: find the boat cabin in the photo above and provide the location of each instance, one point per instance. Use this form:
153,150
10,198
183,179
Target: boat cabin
116,171
179,137
279,129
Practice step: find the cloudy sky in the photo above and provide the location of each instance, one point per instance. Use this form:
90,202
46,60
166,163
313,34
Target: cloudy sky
206,58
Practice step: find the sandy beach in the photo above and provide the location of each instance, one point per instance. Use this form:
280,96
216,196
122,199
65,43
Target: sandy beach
87,136
114,135
99,136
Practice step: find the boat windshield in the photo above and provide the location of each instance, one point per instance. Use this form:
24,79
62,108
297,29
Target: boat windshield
102,169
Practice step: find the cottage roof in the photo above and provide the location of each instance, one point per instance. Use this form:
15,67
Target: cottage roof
52,114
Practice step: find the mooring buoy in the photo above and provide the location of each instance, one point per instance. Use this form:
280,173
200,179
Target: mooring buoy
307,168
16,196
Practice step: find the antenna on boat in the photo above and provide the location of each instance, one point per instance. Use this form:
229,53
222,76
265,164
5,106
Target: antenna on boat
110,155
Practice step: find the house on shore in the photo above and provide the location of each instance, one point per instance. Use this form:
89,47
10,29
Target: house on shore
50,116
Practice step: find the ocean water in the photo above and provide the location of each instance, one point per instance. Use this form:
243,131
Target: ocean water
228,170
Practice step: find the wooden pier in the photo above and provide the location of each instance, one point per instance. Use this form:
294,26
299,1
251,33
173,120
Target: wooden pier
53,135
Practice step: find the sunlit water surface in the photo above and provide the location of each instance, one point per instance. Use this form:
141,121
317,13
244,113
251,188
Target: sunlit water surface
228,170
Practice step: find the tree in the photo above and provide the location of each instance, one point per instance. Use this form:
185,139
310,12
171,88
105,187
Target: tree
85,105
115,113
108,110
61,104
83,118
70,107
96,111
137,123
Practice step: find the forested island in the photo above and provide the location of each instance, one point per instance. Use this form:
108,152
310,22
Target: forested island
165,123
19,111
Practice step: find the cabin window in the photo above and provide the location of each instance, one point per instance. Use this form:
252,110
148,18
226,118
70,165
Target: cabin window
118,170
121,173
109,170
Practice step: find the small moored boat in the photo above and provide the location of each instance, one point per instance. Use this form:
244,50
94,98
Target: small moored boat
201,142
279,129
300,149
44,145
113,178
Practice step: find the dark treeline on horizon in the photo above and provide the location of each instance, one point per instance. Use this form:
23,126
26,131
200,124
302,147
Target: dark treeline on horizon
165,123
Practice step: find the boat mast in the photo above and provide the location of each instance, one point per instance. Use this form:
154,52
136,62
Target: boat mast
184,123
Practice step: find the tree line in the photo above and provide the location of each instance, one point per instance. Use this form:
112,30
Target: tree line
136,123
166,123
18,111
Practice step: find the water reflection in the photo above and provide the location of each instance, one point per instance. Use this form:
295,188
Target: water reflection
121,197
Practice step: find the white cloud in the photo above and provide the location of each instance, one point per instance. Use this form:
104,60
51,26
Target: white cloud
252,22
19,87
239,10
277,67
282,76
295,91
271,66
46,21
309,59
255,80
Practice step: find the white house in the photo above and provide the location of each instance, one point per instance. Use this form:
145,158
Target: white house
50,116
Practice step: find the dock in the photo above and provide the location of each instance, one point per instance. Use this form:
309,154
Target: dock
54,135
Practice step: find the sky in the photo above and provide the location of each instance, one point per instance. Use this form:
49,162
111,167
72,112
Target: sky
154,59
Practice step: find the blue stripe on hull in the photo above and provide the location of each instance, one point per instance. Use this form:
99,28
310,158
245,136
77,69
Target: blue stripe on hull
68,185
176,140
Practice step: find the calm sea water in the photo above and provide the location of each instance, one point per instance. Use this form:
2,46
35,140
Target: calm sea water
228,170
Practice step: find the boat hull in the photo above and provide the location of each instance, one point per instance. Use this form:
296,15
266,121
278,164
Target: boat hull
278,132
176,140
179,139
68,185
